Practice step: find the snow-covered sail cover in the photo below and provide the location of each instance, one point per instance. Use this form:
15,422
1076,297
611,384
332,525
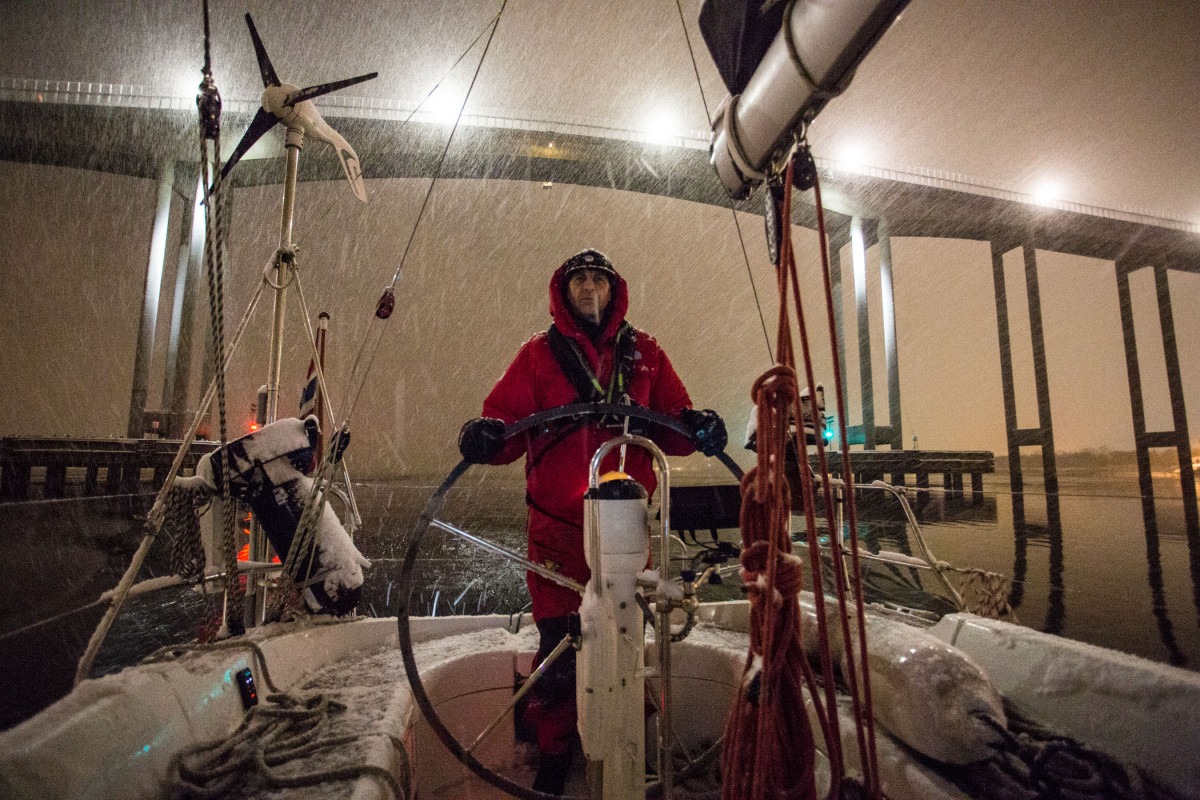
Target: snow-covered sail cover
266,470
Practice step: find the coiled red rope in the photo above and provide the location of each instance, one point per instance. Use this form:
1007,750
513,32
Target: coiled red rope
769,745
769,750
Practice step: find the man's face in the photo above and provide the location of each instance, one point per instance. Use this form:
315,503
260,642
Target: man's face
590,292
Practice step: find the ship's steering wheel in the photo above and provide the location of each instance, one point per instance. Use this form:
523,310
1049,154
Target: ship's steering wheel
433,507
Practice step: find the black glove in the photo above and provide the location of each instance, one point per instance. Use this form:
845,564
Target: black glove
708,430
481,439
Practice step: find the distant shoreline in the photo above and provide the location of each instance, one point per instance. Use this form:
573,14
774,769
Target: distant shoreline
1162,461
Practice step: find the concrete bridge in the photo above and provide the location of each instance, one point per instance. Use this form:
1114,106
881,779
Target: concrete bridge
866,210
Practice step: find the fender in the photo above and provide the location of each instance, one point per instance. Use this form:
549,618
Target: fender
925,692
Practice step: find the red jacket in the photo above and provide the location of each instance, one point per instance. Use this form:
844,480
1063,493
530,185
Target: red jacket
556,466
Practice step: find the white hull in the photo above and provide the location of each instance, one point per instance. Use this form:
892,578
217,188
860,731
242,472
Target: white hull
116,737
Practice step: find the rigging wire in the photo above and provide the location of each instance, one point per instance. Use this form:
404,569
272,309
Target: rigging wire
446,149
732,208
206,70
490,24
329,209
302,548
61,615
387,300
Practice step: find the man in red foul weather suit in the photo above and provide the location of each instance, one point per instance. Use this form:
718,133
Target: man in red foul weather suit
589,354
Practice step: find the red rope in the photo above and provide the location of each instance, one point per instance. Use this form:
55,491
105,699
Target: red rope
856,665
769,750
787,276
857,673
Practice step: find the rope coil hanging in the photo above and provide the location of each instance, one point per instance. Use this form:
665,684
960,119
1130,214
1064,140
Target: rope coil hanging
769,723
181,522
770,706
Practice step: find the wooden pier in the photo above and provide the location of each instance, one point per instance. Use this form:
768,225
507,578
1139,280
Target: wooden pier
132,466
717,506
103,466
896,467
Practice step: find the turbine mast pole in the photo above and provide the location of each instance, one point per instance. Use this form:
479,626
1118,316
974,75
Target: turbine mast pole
284,263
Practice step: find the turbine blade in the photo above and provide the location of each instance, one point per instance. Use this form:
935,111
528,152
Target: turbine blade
318,128
264,61
263,121
353,169
309,92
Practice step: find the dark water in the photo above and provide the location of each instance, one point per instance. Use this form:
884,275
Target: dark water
1101,571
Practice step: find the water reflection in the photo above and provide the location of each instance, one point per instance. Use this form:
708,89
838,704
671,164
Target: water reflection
1093,505
63,555
1191,532
1050,537
1162,520
1154,575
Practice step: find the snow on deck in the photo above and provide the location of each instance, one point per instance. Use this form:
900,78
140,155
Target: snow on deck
380,712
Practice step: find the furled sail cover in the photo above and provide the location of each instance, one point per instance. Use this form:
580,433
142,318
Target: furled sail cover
738,33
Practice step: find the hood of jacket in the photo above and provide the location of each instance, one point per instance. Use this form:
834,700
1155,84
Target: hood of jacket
566,321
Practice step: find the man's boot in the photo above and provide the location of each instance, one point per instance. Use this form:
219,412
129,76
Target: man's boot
552,773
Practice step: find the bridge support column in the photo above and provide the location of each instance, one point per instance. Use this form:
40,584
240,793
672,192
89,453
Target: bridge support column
865,233
1143,439
894,434
150,297
1043,435
860,231
839,237
188,274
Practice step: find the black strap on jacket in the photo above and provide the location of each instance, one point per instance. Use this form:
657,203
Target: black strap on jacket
588,388
575,366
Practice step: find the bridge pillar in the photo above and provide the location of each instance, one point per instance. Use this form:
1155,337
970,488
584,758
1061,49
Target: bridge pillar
865,233
150,296
839,237
894,434
188,274
1143,439
1043,435
860,232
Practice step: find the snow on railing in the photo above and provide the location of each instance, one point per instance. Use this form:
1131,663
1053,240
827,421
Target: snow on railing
137,96
940,179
